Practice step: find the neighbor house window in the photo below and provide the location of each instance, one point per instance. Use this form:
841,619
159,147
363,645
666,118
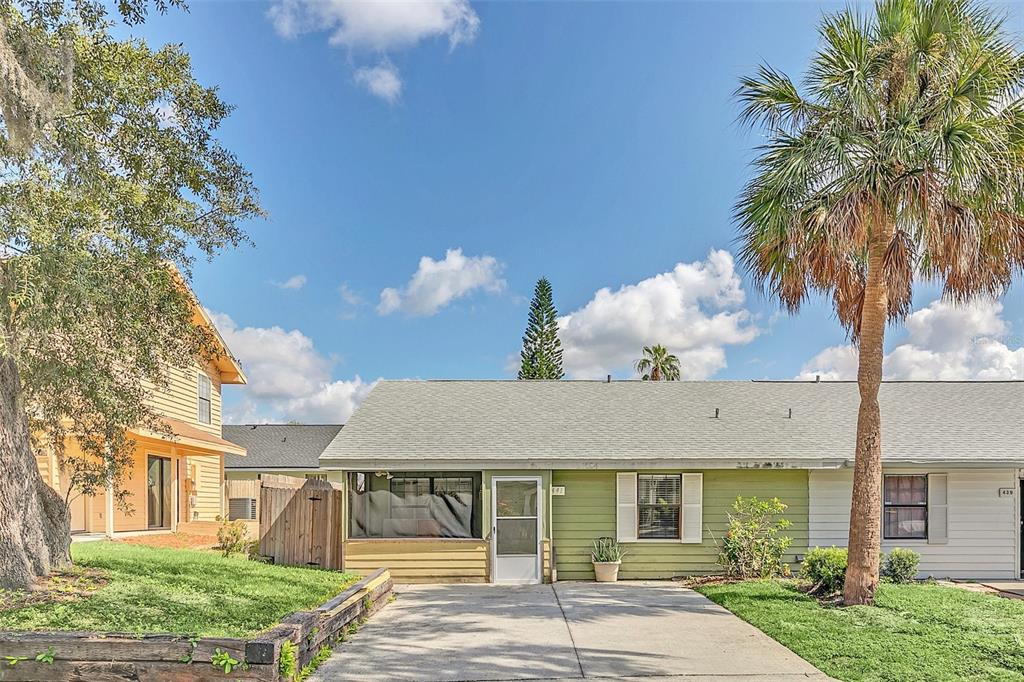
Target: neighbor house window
658,506
414,505
205,391
905,507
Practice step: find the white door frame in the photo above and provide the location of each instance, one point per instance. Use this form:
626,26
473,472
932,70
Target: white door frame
540,528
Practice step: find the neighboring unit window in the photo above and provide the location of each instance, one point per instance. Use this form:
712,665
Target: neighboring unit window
414,505
316,477
658,498
205,390
905,508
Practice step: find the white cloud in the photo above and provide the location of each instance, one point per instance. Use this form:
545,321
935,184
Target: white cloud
379,27
349,296
294,282
696,310
381,80
289,379
435,284
944,342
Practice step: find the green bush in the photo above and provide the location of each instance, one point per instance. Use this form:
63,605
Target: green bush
231,536
825,568
753,545
901,565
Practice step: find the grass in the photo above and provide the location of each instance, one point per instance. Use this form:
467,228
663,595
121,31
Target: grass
178,591
914,632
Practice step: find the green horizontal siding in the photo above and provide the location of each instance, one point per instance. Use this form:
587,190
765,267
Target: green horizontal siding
587,511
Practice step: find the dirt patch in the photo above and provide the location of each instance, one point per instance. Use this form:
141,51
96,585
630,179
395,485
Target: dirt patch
61,586
693,581
173,540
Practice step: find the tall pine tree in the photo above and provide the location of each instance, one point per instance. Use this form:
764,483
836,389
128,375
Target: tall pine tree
542,351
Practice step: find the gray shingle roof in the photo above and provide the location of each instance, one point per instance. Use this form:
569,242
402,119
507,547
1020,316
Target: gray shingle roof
584,423
279,446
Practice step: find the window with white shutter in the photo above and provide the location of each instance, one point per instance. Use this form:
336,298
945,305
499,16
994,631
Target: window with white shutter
625,506
693,508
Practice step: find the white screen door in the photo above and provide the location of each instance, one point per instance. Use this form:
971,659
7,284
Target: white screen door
516,531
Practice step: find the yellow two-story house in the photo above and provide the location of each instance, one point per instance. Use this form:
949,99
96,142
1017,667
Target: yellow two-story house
173,479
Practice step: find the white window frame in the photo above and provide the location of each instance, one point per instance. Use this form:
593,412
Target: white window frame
679,517
926,506
624,480
201,378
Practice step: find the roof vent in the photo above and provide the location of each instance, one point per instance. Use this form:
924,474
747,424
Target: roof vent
817,378
716,413
609,379
790,413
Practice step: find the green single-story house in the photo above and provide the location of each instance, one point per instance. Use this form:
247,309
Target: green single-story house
511,481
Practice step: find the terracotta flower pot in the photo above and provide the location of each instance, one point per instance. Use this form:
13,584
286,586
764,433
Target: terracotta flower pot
606,571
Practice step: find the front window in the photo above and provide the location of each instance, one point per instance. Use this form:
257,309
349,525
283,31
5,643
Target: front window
414,505
658,506
905,508
205,390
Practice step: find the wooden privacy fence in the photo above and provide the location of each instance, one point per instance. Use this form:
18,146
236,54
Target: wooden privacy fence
300,521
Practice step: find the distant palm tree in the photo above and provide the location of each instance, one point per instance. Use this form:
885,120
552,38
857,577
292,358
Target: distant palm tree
902,158
658,364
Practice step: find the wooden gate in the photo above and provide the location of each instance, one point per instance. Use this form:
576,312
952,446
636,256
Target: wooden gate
300,521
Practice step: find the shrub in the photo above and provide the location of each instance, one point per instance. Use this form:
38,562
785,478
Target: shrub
753,545
825,568
231,536
901,565
606,550
287,662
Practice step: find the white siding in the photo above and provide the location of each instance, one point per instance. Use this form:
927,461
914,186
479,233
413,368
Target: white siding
982,526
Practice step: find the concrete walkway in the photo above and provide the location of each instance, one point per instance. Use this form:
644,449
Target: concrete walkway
568,631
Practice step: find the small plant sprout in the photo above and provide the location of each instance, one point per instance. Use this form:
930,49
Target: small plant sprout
14,660
223,660
47,656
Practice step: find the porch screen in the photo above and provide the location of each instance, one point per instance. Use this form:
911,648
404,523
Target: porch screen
414,504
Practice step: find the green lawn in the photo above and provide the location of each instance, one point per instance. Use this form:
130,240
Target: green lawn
914,632
179,591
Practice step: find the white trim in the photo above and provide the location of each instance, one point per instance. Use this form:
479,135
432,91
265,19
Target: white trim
540,528
1018,547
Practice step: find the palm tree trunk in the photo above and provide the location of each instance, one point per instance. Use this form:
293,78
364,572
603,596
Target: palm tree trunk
866,505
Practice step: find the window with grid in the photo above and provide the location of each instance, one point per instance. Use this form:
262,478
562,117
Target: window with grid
905,507
659,498
205,391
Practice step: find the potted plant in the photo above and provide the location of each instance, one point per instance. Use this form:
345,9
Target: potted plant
606,557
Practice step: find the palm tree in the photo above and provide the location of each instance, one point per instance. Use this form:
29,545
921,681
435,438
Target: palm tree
658,364
902,158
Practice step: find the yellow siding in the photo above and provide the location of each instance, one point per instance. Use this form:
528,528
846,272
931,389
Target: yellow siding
416,560
180,398
205,471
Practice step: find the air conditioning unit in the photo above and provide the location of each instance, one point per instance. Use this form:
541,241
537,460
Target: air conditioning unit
243,508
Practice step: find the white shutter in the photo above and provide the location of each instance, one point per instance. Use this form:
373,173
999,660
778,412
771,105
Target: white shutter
625,506
693,505
938,509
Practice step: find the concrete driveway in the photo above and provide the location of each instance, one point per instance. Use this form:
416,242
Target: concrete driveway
564,631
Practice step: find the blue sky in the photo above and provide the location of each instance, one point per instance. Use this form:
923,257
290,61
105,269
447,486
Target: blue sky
592,143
